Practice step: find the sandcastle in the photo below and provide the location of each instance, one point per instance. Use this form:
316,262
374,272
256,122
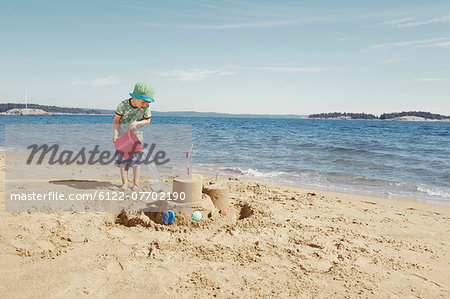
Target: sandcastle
208,200
193,188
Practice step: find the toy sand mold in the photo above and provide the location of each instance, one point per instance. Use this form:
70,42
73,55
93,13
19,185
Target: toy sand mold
219,196
193,189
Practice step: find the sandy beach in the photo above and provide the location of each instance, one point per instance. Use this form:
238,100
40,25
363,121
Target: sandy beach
275,241
225,149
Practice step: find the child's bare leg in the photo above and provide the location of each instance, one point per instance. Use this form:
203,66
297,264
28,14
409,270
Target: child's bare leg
124,176
135,176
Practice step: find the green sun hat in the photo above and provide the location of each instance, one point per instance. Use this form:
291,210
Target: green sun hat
143,91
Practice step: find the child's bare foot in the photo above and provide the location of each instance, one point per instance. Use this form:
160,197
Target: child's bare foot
123,187
135,186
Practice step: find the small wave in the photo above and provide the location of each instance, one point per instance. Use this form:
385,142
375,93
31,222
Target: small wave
252,172
434,191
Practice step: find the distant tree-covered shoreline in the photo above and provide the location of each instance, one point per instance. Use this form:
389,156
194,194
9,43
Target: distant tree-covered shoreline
8,106
423,114
343,115
426,115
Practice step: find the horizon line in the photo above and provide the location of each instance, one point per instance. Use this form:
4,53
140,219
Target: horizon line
230,113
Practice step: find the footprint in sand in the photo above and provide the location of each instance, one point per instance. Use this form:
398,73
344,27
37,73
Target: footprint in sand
114,267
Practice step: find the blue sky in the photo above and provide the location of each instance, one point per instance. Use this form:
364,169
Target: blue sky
231,56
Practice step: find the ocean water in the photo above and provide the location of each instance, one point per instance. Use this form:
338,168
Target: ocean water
381,158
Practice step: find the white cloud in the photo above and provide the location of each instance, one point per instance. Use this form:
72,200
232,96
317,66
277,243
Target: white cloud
194,74
412,22
399,21
434,42
286,69
262,24
441,44
111,80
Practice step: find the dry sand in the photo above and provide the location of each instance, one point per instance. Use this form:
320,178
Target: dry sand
275,242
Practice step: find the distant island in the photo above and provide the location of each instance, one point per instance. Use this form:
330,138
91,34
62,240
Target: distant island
339,115
36,109
400,116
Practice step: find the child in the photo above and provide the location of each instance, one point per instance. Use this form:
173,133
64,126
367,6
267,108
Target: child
132,114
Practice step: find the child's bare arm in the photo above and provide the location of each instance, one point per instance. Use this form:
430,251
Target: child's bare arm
140,123
116,122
